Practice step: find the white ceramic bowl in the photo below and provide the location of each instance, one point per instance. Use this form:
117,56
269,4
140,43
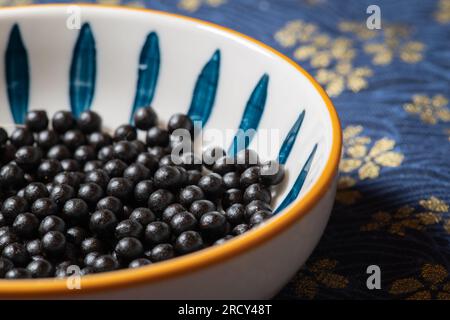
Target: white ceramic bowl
122,58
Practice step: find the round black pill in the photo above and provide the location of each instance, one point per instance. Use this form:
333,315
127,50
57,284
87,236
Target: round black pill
231,180
272,173
44,207
62,121
157,137
190,194
180,121
240,229
5,266
142,215
97,176
231,197
128,228
12,206
18,273
143,190
223,240
125,151
90,192
73,139
259,217
136,172
148,160
161,252
21,136
250,176
255,206
84,154
89,259
103,222
137,263
48,169
99,140
52,223
159,200
36,120
106,153
200,207
158,152
145,118
129,248
17,254
211,184
76,235
34,191
167,177
89,121
139,146
111,203
183,221
7,239
70,165
75,210
120,188
223,165
188,241
7,153
40,268
11,176
166,160
72,179
53,243
115,168
34,248
26,225
157,232
105,263
92,245
47,139
257,191
171,210
92,165
59,152
28,157
125,132
62,193
235,214
213,225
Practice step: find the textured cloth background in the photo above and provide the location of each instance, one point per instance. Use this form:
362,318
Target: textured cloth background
391,88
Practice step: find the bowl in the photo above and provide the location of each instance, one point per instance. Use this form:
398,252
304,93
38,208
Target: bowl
114,60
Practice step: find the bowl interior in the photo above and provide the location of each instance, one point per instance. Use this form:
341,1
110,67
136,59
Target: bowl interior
116,60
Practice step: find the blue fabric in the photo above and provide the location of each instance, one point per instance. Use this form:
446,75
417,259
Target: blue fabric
391,89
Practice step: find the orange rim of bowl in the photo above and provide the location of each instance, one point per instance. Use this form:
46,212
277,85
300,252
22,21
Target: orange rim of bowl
209,256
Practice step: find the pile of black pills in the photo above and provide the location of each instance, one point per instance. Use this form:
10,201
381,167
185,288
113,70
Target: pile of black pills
74,195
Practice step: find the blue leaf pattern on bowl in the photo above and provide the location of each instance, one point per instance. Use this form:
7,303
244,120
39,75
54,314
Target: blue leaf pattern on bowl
251,117
17,75
291,137
83,71
148,71
205,90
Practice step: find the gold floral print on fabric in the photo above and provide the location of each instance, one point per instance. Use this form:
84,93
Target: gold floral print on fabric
318,274
383,45
346,194
442,13
428,212
194,5
433,283
431,110
333,58
365,156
